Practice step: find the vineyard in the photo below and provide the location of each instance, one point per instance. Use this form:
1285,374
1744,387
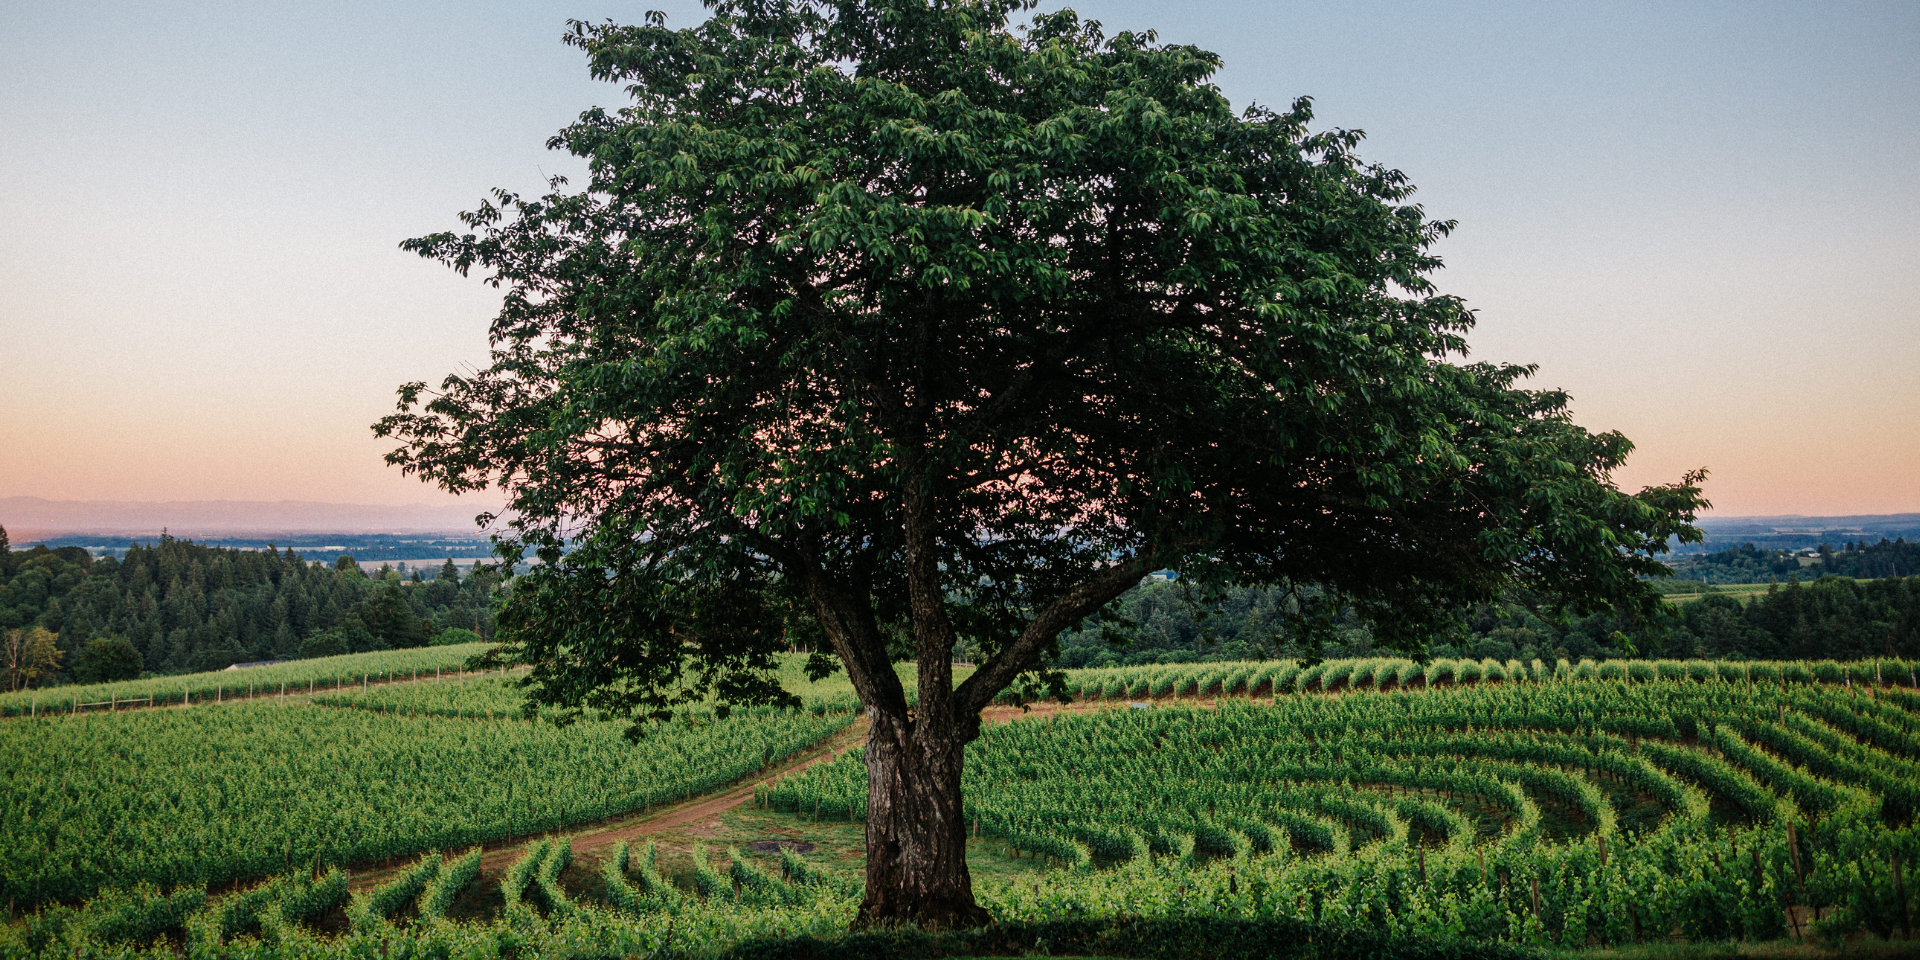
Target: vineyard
293,677
1543,813
1290,676
214,794
502,697
1535,806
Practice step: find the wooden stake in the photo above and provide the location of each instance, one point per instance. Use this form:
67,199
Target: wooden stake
1534,882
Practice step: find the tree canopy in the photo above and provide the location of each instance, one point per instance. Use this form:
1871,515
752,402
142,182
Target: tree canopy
884,319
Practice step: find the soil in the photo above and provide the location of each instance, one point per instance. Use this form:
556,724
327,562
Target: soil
701,818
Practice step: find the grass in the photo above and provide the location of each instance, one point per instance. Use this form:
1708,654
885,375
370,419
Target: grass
839,846
1775,950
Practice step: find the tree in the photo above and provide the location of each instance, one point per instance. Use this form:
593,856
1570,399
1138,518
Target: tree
880,319
452,636
30,654
330,642
106,659
388,616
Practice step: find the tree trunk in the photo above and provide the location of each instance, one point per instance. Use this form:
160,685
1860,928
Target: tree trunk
916,829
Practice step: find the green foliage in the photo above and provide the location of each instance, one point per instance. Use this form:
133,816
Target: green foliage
938,253
445,887
1824,619
454,636
1354,775
336,673
185,606
382,902
1749,564
107,659
1168,938
1417,820
519,876
209,795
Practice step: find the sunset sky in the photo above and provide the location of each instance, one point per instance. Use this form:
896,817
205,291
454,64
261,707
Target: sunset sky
1703,220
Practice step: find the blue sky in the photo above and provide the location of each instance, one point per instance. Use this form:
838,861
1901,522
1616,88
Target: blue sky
1698,218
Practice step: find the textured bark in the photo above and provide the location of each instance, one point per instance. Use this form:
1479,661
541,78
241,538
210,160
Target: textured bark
916,831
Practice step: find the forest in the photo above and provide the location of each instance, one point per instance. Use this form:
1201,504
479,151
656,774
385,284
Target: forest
1750,564
1829,618
177,606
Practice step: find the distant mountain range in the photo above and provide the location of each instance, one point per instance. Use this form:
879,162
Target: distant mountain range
34,518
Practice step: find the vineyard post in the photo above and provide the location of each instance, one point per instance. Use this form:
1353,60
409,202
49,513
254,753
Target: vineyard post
1534,883
1793,847
1423,867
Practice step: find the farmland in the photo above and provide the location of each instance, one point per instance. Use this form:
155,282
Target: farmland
1534,805
213,794
295,676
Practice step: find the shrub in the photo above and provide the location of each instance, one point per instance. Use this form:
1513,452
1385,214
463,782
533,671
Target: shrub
453,636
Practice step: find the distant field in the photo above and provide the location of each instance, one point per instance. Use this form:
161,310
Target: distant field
1739,591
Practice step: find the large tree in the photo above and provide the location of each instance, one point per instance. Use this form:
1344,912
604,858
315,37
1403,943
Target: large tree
885,320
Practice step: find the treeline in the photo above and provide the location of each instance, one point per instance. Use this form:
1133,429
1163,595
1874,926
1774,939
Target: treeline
1831,618
1749,564
178,606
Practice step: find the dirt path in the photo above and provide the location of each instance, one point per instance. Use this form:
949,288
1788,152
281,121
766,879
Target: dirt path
596,838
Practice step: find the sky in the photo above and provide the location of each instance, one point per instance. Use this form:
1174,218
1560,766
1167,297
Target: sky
1697,218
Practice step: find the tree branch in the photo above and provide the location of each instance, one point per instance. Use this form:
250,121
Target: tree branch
993,676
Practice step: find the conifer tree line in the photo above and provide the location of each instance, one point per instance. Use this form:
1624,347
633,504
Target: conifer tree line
1831,618
175,606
